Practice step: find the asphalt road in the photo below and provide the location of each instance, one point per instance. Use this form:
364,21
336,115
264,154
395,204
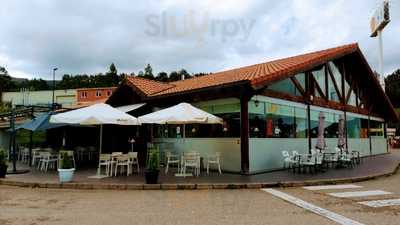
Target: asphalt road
58,206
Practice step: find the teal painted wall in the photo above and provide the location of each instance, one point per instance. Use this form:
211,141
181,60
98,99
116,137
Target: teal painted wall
379,145
266,153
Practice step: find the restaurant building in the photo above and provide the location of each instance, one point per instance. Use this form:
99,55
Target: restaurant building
271,107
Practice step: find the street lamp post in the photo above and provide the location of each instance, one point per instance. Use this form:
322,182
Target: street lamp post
54,86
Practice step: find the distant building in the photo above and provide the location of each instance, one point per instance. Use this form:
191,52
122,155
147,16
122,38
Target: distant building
66,98
88,95
69,98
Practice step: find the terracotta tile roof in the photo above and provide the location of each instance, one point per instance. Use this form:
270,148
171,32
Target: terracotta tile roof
148,87
257,75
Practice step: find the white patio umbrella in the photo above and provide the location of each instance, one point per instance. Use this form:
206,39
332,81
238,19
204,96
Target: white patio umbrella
182,113
98,114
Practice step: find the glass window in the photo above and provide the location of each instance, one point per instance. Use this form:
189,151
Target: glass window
337,75
331,124
319,76
376,128
280,121
352,100
272,120
346,87
285,86
364,128
301,77
257,125
300,122
354,127
332,93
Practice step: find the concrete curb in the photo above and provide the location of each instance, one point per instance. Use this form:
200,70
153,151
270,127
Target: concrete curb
190,186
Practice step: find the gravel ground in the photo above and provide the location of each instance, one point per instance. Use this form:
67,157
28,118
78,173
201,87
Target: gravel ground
350,208
54,206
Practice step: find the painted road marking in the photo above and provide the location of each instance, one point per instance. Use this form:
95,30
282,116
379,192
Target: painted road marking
328,187
313,208
381,203
359,193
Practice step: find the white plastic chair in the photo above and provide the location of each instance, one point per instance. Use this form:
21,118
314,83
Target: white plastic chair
308,161
25,155
191,160
214,159
48,160
105,160
287,159
133,160
121,162
171,159
114,156
36,156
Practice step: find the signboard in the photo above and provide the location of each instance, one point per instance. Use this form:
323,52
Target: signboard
380,18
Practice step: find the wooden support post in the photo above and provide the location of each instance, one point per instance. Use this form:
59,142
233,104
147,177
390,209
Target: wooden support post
309,92
30,147
345,129
244,133
369,134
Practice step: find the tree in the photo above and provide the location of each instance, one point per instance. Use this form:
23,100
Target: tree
392,87
148,72
162,76
5,80
113,69
112,78
174,76
184,73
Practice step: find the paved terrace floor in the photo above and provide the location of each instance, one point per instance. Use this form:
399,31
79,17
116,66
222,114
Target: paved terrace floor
370,166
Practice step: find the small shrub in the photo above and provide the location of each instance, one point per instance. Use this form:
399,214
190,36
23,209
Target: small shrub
3,161
153,162
66,162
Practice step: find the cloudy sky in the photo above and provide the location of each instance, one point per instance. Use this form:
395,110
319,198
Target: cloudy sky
85,36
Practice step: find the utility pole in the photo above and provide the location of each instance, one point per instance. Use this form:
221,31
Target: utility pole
54,87
378,22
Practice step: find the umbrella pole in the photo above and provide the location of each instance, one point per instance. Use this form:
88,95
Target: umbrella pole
100,148
30,147
184,132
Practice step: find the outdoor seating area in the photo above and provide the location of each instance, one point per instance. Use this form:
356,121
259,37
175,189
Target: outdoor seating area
319,161
119,162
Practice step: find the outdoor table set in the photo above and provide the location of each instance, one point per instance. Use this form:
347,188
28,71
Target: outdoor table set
117,161
318,160
86,153
191,160
47,158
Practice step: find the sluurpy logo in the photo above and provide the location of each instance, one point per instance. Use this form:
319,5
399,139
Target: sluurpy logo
198,25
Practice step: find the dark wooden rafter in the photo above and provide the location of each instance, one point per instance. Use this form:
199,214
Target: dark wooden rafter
298,86
343,73
317,87
326,82
330,73
370,108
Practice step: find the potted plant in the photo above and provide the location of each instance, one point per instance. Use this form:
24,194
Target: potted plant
3,164
66,170
152,169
